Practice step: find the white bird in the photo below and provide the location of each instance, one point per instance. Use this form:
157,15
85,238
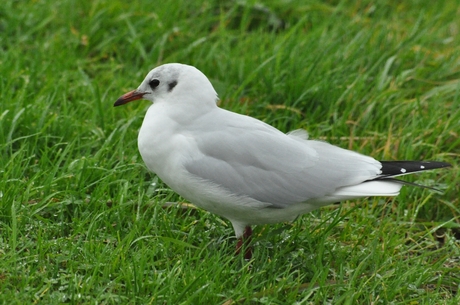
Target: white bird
241,168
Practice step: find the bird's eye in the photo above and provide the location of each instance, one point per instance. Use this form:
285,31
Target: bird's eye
154,83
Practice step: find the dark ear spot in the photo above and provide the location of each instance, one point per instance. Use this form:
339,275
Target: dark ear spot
171,85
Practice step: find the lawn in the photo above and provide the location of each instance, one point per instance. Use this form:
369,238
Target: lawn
82,221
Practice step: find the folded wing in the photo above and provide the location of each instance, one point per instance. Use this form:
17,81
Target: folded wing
260,162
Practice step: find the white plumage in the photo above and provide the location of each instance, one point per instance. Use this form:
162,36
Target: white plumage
239,167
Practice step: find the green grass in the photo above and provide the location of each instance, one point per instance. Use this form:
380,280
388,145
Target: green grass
82,220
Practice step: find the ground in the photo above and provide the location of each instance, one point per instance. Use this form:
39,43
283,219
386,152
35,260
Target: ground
83,221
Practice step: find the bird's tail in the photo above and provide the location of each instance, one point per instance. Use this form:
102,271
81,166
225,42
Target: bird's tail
386,184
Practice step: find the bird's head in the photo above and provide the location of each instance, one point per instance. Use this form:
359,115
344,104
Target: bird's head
172,83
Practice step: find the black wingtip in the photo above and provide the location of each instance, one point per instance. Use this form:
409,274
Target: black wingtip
399,168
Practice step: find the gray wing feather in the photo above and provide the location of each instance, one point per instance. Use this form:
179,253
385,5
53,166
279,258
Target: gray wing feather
260,162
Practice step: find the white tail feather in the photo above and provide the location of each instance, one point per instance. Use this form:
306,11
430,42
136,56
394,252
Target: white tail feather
370,188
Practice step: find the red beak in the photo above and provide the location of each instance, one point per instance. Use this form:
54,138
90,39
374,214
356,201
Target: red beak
129,97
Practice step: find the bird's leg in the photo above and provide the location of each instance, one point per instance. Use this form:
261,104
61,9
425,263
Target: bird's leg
243,243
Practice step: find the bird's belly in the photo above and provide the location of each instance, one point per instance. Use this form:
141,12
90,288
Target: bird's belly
220,201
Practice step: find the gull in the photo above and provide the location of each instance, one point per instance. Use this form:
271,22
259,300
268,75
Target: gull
241,168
